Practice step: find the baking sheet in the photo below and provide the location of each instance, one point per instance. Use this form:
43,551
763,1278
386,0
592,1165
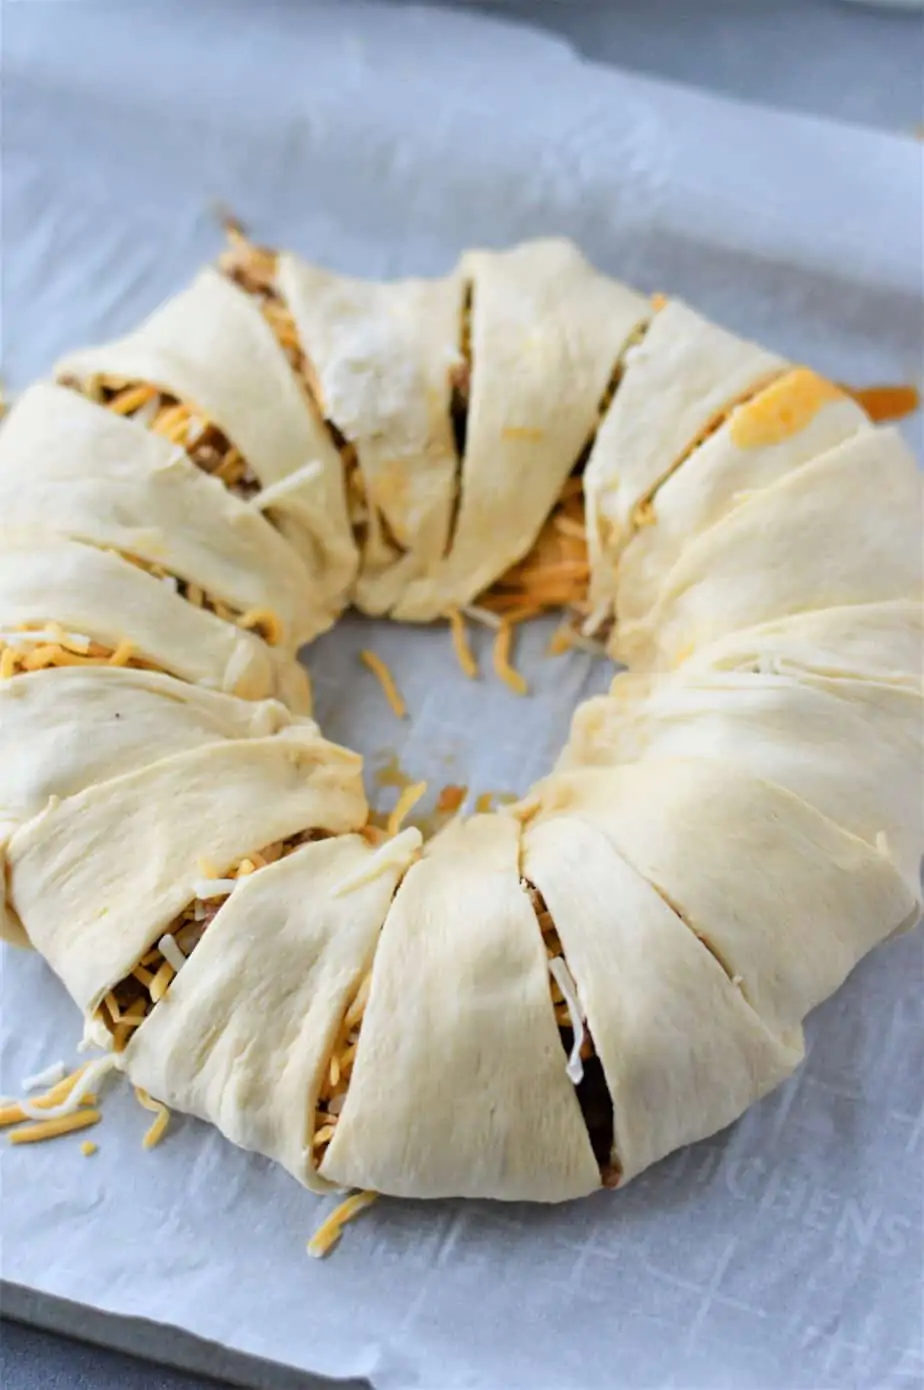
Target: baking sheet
786,1251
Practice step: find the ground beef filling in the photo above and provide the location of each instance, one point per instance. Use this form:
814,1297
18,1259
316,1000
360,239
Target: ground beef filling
129,1003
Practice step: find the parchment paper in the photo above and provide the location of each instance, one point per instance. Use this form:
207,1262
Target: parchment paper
788,1250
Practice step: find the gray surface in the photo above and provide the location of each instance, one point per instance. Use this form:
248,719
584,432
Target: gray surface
855,62
824,57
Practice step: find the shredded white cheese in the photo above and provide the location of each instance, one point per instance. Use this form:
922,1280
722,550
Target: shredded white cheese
167,945
84,1086
268,497
565,981
43,1079
171,582
214,887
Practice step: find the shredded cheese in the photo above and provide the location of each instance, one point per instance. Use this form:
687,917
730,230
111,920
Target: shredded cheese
883,403
64,1098
464,654
265,622
155,1133
293,482
501,658
51,1129
88,1148
404,805
398,853
171,953
213,887
157,989
49,1077
387,681
451,798
330,1230
565,981
481,615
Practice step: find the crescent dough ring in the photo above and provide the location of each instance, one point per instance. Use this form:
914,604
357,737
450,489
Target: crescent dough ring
532,1004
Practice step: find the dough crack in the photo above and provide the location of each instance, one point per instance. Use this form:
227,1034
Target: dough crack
589,1083
130,1002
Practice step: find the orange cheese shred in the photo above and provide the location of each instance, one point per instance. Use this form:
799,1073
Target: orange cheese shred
387,681
51,1129
461,645
501,658
330,1231
155,1133
884,403
404,805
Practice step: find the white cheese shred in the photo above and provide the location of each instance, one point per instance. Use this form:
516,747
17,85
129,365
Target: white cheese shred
167,945
308,474
565,981
84,1086
43,1079
214,887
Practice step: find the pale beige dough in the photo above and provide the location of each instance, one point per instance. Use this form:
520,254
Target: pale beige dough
97,878
75,468
718,477
845,529
852,749
547,332
95,594
459,1086
245,1032
684,371
786,899
211,347
682,1051
383,356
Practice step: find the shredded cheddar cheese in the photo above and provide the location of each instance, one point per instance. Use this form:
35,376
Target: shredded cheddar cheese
52,1129
451,798
404,805
267,623
461,645
501,659
201,439
782,409
155,1133
330,1230
88,1148
526,433
885,403
128,1004
37,647
387,681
